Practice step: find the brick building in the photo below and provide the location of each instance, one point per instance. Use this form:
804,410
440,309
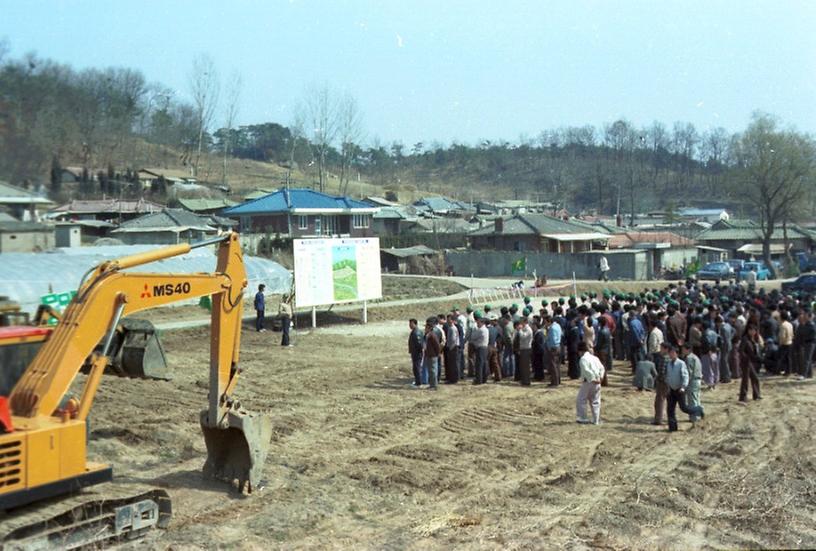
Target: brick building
298,213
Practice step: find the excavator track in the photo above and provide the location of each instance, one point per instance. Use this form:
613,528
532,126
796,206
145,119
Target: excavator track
84,521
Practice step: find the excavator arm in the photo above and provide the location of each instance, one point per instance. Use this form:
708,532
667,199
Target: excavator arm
236,441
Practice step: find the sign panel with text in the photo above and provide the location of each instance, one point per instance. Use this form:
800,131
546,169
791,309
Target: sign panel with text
333,271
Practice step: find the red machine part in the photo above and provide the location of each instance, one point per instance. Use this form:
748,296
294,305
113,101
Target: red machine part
5,416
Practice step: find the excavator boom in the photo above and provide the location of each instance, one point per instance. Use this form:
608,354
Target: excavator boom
45,452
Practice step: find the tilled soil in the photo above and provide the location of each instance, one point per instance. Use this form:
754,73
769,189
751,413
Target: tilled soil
360,460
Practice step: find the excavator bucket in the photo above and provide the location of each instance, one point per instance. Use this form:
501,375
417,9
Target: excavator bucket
237,453
141,354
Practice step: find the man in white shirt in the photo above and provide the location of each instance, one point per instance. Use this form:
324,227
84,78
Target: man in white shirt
603,268
654,343
592,371
751,279
525,338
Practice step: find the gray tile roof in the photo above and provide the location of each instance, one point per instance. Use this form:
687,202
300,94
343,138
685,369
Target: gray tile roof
406,252
536,224
167,219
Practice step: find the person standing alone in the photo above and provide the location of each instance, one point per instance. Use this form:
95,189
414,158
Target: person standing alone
260,307
285,314
592,372
603,269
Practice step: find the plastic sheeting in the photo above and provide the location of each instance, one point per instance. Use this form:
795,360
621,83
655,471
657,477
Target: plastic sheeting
25,277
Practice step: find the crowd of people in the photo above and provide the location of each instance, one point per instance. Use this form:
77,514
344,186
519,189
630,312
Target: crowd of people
677,342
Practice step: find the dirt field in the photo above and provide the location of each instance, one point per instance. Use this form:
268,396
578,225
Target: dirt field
360,460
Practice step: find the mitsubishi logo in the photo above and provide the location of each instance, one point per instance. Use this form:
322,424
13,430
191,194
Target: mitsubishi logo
146,293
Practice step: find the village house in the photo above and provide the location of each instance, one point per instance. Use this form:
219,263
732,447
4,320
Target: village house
25,237
206,205
22,204
108,210
442,206
743,238
168,227
513,206
537,232
399,260
667,250
300,213
393,220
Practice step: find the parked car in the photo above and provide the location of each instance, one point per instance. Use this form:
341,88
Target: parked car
804,283
762,271
807,262
715,270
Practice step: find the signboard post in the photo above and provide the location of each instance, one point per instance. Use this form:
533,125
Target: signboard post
337,271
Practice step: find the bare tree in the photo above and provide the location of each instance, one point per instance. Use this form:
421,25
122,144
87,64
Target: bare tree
297,136
350,128
319,111
231,108
775,170
204,88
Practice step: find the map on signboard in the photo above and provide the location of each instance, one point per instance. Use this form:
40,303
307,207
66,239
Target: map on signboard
344,272
337,270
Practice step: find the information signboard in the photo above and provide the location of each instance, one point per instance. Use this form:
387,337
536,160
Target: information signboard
338,270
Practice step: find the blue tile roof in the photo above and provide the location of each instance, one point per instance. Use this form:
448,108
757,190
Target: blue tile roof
285,200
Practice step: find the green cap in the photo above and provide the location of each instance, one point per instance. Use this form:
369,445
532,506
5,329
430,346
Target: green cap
487,308
561,300
526,300
469,309
478,314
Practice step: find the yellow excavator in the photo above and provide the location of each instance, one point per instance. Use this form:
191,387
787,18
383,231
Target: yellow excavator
43,434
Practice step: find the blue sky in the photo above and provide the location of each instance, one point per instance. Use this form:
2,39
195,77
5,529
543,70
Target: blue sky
458,70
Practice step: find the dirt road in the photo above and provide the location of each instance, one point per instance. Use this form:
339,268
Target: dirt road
361,460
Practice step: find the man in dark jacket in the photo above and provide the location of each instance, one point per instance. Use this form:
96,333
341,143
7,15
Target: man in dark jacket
431,352
451,351
676,327
415,339
573,338
260,307
603,347
539,347
805,338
